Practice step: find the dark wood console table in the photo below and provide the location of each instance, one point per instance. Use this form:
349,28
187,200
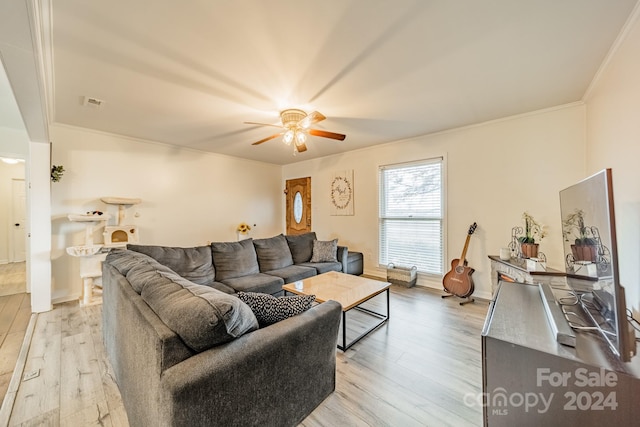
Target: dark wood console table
531,380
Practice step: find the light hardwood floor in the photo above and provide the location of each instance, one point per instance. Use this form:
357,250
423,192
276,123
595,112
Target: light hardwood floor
413,371
15,312
13,278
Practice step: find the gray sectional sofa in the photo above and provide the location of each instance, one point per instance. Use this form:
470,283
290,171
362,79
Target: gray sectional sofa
251,265
186,352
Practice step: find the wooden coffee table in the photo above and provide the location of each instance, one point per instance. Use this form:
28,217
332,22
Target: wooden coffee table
350,291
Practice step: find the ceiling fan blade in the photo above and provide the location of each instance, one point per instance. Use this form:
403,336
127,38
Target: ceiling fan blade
267,138
310,119
262,124
301,147
325,134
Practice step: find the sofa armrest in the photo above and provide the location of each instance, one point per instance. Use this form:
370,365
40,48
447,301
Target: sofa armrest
246,381
343,252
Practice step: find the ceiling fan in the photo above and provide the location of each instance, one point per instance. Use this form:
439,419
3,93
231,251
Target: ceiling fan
296,126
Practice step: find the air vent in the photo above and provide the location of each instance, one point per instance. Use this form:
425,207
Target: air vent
92,102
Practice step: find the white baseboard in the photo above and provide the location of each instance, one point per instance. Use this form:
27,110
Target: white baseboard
425,283
66,298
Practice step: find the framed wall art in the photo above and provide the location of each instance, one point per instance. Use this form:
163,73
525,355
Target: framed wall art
341,193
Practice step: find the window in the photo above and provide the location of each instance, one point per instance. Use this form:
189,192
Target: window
411,215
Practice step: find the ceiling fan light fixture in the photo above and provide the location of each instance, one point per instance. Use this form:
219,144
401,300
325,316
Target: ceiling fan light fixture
296,128
291,117
288,137
301,137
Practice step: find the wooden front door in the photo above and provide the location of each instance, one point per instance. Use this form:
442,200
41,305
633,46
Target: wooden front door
298,205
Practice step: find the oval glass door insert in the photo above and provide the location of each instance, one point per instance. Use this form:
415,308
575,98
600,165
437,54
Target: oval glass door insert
297,207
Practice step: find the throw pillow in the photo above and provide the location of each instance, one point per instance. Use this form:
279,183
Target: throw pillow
269,309
325,251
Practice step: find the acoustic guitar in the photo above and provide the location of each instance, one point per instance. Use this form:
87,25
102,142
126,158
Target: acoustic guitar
458,280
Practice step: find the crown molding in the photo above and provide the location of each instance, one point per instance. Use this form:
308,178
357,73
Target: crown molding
41,22
622,36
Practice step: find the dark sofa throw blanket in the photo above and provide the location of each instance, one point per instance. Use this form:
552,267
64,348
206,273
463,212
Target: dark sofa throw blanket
269,309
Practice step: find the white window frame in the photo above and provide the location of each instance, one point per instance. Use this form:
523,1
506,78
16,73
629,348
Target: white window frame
383,262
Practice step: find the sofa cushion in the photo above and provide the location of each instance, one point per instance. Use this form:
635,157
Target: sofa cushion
301,246
138,268
325,251
124,260
269,309
234,259
323,267
223,288
355,263
293,272
260,282
202,316
194,264
144,273
273,253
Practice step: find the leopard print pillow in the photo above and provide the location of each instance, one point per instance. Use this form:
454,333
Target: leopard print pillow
269,309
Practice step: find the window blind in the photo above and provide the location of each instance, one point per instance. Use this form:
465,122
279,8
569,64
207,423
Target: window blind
411,215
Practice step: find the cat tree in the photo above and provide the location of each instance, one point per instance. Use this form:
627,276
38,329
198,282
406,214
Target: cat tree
91,254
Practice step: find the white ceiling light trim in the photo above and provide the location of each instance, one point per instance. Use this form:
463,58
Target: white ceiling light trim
11,161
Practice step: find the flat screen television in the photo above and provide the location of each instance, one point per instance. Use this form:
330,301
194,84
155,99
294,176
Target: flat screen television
590,248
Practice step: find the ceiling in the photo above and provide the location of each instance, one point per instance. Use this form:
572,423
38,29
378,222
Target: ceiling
190,73
9,113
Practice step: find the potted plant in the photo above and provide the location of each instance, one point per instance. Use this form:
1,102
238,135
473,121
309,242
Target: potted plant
584,247
56,173
532,232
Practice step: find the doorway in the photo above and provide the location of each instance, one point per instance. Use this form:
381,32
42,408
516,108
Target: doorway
298,209
12,227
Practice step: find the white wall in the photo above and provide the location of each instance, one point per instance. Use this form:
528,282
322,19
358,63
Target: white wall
189,198
495,171
39,241
14,143
7,174
613,140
